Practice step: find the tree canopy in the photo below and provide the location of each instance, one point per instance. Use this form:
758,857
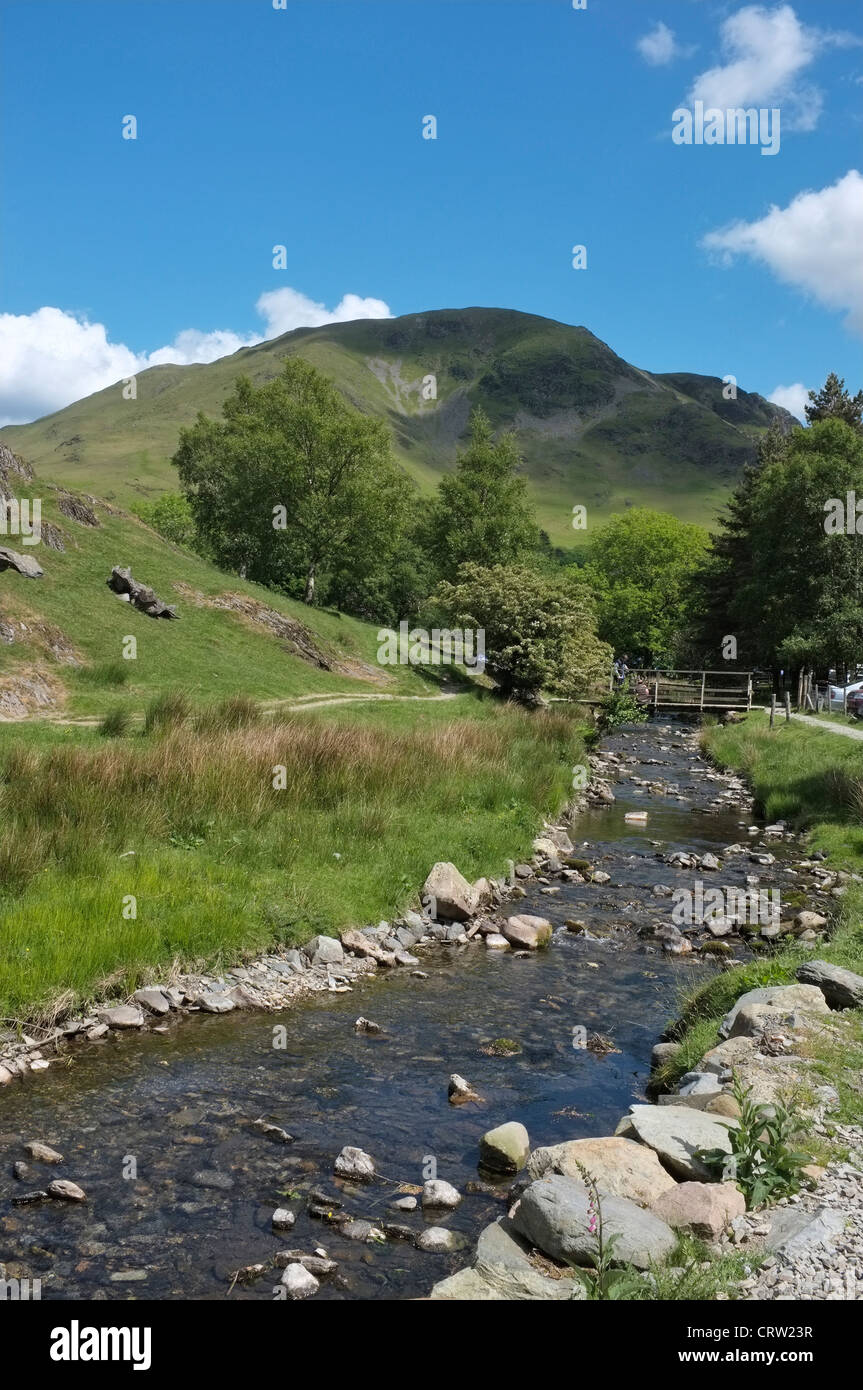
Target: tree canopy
482,513
292,482
783,576
640,567
539,631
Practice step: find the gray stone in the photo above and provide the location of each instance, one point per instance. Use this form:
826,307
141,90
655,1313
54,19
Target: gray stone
793,1231
299,1281
212,1178
676,1132
354,1164
784,998
437,1193
123,1016
842,989
25,565
283,1220
215,1003
696,1083
357,1230
663,1052
437,1240
451,893
153,999
555,1215
324,950
495,941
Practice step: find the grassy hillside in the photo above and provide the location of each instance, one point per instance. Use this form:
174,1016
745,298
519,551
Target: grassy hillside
62,636
593,429
181,811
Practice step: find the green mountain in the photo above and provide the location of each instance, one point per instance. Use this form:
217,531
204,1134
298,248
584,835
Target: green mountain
594,430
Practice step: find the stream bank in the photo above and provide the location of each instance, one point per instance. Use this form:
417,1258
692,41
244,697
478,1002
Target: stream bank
161,1129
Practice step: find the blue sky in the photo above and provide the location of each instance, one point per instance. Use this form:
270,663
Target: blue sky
303,127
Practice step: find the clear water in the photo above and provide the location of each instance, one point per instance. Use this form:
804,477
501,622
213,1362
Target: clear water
181,1104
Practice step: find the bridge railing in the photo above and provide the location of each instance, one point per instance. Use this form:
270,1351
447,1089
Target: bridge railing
697,689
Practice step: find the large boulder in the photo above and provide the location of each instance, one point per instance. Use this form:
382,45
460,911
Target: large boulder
676,1133
782,999
702,1209
842,989
619,1167
530,933
24,565
555,1214
140,596
505,1149
502,1270
453,897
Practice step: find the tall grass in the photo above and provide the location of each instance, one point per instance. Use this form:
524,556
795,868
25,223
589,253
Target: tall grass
230,834
105,674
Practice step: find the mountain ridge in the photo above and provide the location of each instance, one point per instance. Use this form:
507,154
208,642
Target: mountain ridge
594,429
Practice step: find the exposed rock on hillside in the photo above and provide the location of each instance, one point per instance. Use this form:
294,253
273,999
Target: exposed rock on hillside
23,564
147,600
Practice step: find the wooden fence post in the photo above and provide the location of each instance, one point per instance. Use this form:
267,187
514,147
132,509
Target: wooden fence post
787,707
772,708
703,679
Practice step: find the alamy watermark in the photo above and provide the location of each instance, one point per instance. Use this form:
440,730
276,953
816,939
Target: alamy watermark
844,516
699,906
20,1290
737,125
22,519
418,646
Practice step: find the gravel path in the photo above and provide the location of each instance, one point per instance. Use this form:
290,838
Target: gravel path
826,1269
828,727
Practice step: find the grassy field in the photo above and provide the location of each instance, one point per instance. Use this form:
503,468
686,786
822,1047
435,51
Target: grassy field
185,819
594,430
812,780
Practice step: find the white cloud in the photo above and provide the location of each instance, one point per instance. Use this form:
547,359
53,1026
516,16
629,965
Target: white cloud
793,398
284,310
50,358
813,244
194,346
658,46
766,52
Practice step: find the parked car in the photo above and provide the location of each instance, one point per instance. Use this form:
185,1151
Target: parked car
854,704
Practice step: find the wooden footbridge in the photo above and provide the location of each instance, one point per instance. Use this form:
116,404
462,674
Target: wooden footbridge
701,690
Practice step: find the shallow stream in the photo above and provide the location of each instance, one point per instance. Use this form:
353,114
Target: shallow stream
177,1108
